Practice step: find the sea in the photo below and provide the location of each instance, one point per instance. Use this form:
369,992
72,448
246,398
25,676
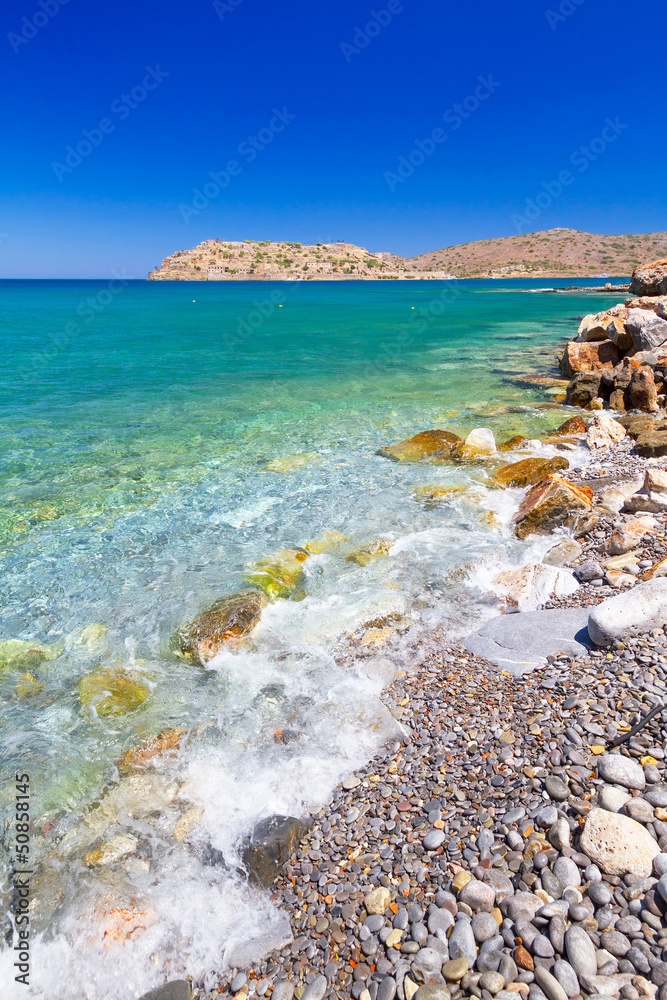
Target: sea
158,441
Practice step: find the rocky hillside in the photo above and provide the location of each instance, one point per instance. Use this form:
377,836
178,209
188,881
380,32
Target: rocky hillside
556,253
222,260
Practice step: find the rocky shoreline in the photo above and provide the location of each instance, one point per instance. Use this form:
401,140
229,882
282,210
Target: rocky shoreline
500,845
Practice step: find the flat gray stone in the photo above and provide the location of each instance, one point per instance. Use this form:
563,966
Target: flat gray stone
580,951
179,989
518,643
316,989
621,770
462,941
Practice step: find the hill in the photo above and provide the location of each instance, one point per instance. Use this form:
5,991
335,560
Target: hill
554,253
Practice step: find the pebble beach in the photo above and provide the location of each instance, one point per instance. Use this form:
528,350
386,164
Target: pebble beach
500,845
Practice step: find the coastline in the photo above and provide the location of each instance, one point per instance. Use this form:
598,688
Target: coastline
451,864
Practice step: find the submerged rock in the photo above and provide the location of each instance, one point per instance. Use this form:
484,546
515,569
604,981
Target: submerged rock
528,471
152,752
435,493
374,550
280,576
272,843
549,504
111,851
425,445
228,619
92,639
111,693
16,654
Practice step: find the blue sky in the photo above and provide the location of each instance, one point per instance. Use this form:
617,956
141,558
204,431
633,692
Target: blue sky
337,96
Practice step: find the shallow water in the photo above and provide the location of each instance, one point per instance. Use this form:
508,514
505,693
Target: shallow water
153,447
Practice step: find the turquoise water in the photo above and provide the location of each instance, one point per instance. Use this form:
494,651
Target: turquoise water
156,439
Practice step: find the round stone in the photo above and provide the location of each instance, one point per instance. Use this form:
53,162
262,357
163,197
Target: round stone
556,788
567,872
433,840
621,770
491,981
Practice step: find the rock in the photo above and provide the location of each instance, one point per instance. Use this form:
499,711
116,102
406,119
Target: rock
556,788
16,654
606,325
620,770
657,795
427,965
152,752
567,872
588,571
604,431
477,895
612,799
177,989
566,976
530,586
484,926
588,357
316,989
462,941
429,991
377,900
284,990
272,843
644,609
559,834
647,329
613,498
436,444
113,693
492,982
637,424
281,575
608,986
455,969
580,951
564,552
522,906
617,844
549,504
653,495
549,984
629,535
479,444
111,851
652,444
658,569
527,472
512,443
642,392
433,840
583,388
573,426
650,279
228,619
367,553
518,642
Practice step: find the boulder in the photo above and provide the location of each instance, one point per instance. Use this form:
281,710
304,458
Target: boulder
520,642
564,552
653,495
604,431
112,693
643,394
617,844
647,329
480,443
271,845
650,278
228,619
588,357
652,444
583,388
367,553
512,443
657,303
529,587
637,424
642,609
427,445
629,535
606,325
549,504
528,472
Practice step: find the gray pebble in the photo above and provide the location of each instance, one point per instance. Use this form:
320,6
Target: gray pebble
462,941
567,872
580,951
621,770
239,980
433,840
484,926
316,989
566,976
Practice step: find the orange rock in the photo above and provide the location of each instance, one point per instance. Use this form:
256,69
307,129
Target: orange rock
549,504
523,958
589,357
152,752
575,425
119,923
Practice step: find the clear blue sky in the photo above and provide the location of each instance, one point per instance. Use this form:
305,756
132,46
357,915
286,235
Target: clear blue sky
360,101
